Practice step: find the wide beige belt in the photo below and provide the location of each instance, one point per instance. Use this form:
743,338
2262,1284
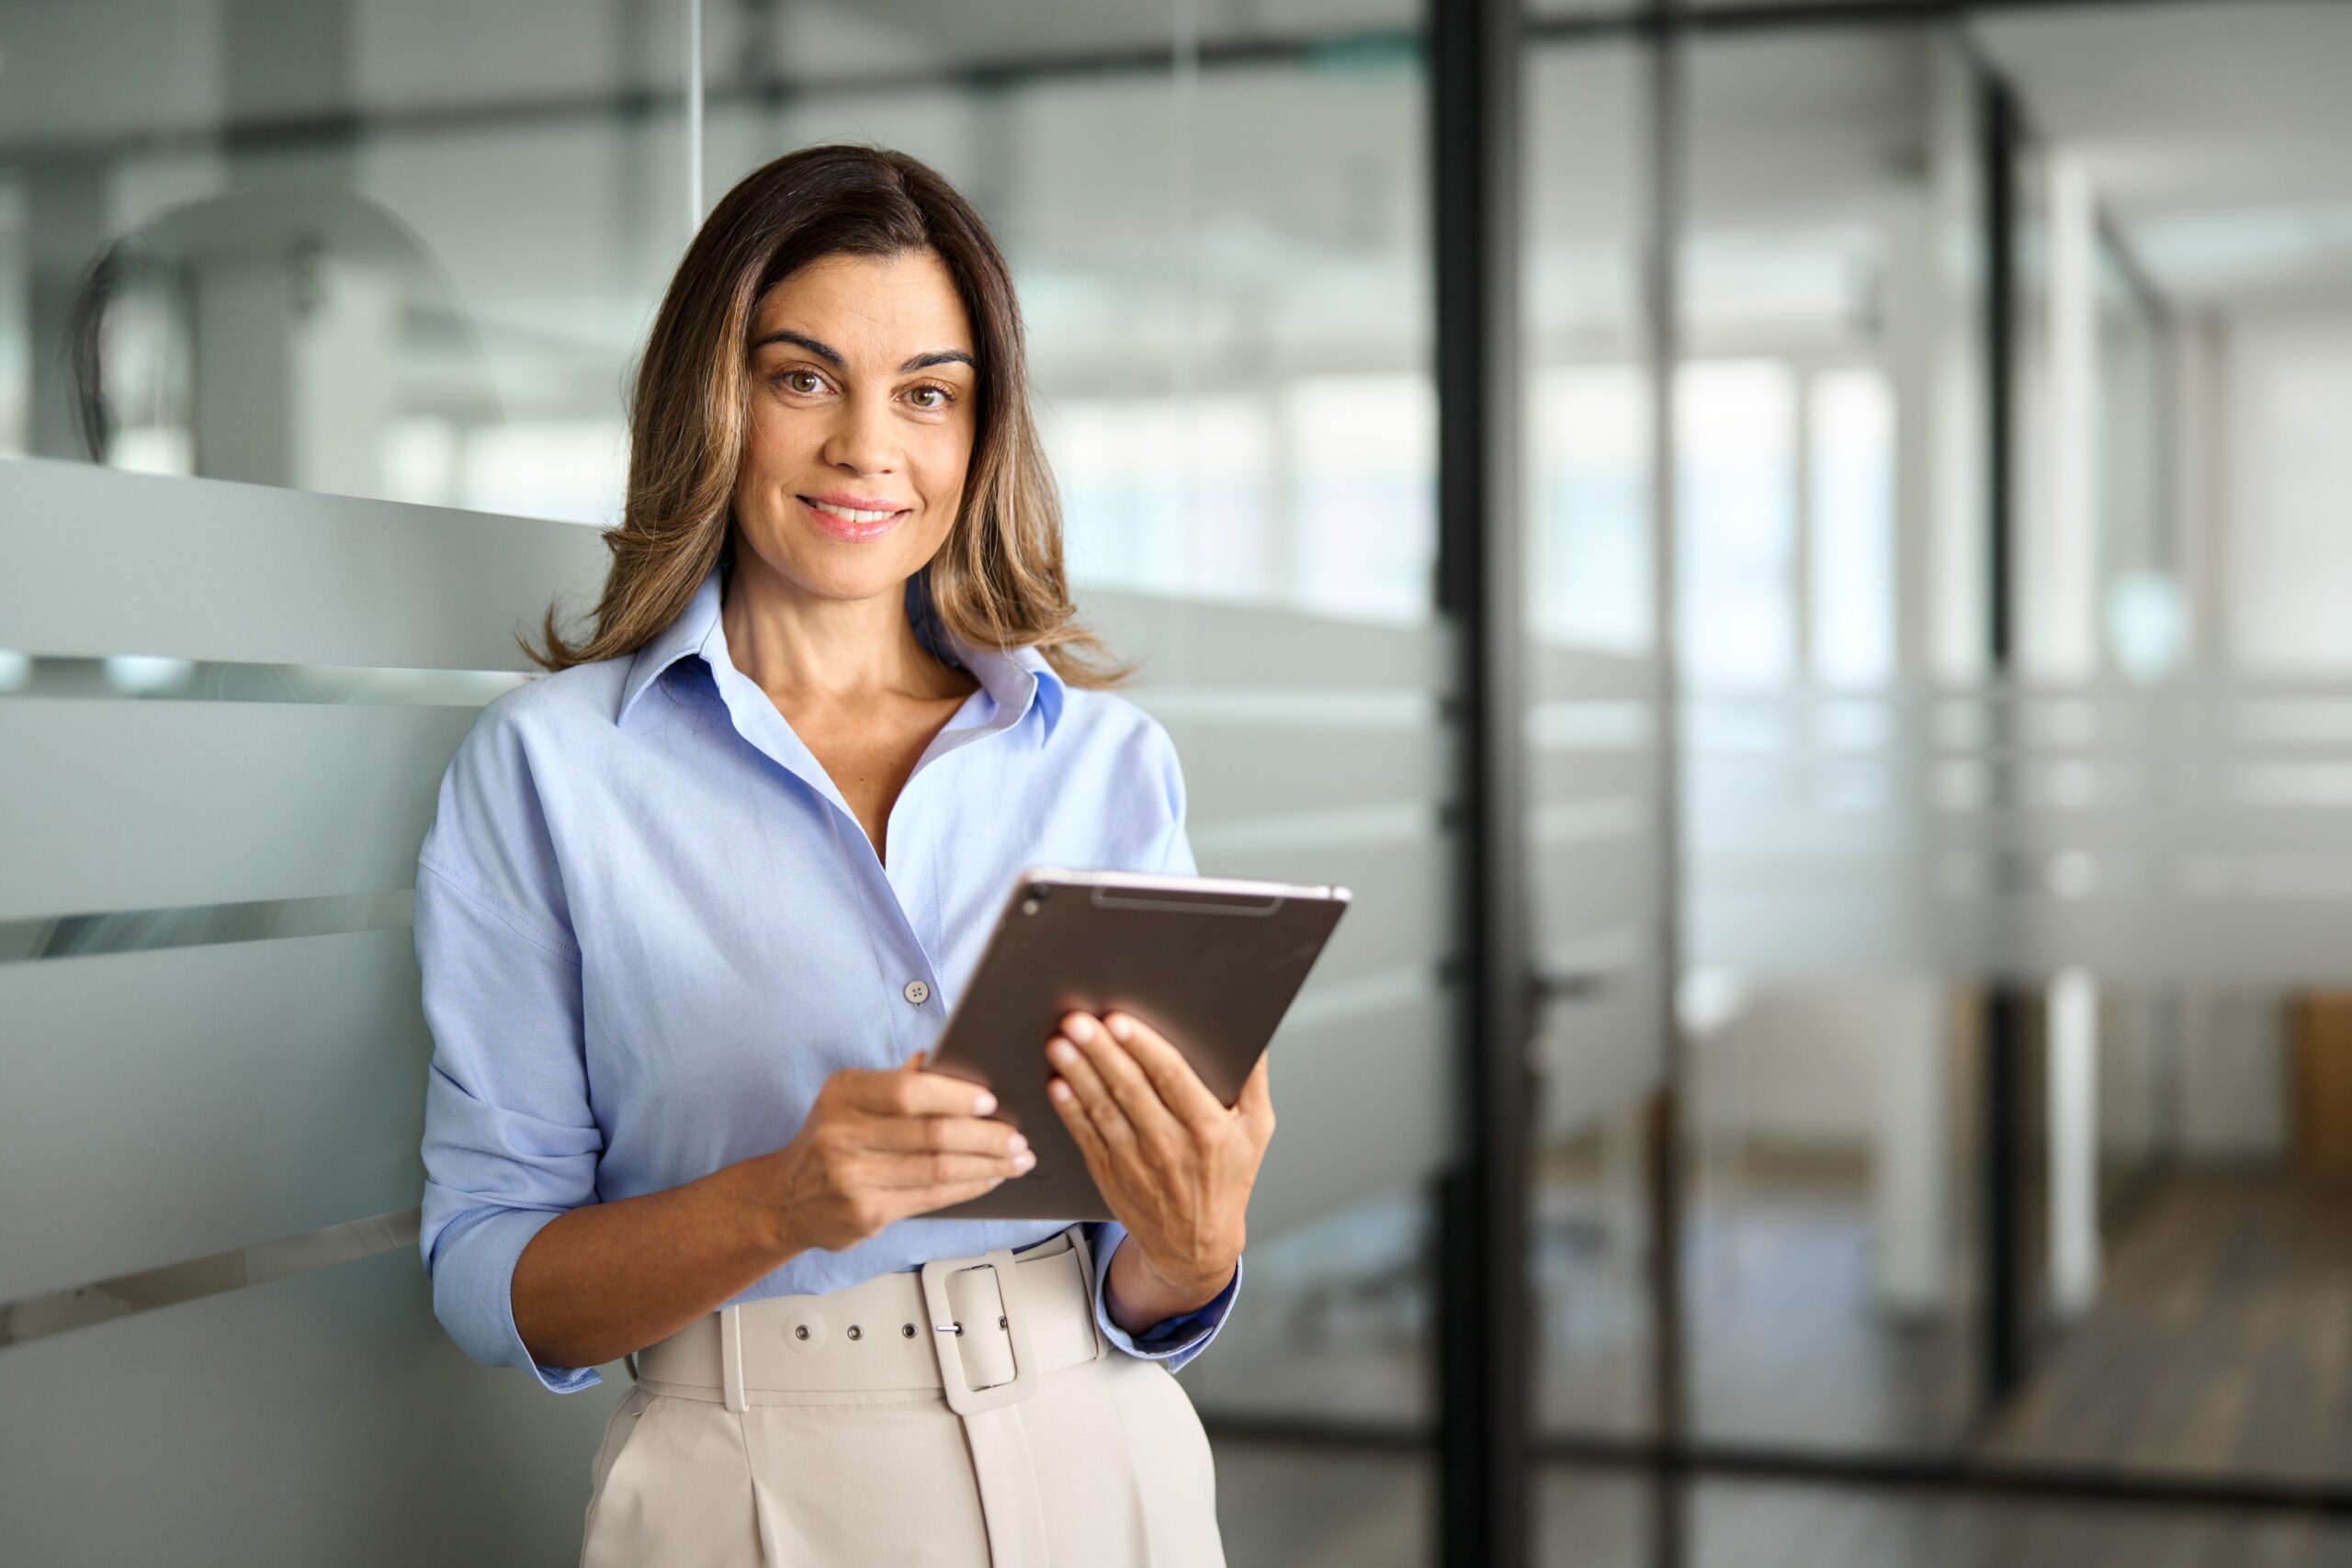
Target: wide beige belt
980,1330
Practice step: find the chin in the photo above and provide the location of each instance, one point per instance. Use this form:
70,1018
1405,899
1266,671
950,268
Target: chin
831,568
820,569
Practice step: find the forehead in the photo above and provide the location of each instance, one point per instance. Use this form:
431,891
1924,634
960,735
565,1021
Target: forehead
895,306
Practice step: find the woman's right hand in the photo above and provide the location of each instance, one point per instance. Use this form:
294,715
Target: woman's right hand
880,1147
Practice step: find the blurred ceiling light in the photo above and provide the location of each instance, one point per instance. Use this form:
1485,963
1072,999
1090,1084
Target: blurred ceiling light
139,674
2147,624
2214,250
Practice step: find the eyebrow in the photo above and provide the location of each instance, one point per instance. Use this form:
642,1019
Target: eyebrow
942,356
835,358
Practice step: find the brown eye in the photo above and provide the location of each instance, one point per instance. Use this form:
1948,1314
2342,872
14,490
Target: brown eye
930,398
806,382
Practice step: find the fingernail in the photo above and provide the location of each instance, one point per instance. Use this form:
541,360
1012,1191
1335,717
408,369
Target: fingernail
982,1106
1061,1051
1081,1028
1121,1027
1024,1162
1059,1090
1019,1142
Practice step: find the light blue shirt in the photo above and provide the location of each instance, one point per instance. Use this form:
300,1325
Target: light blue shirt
649,927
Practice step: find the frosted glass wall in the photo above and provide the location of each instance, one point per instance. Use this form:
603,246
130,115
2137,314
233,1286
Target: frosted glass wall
379,252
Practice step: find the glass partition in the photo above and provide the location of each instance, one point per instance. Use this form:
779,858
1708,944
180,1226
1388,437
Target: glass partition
1593,770
1828,1297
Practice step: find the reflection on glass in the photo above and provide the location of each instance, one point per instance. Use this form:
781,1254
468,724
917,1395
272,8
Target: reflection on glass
400,252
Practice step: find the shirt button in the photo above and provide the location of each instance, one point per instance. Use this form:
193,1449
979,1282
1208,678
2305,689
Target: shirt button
917,992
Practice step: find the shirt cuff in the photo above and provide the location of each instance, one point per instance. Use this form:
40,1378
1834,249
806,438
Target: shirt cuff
1174,1340
473,1293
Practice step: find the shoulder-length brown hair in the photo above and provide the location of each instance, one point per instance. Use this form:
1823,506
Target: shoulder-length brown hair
997,579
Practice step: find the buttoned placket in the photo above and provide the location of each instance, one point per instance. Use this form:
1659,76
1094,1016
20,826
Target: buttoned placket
919,1009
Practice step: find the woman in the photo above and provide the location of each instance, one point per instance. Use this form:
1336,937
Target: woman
694,907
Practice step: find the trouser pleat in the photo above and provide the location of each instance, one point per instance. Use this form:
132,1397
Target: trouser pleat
1006,1472
780,1544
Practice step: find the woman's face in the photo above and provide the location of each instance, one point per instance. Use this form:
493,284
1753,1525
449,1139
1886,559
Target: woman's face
862,419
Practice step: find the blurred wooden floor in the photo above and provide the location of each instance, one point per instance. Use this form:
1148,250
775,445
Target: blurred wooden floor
1289,1509
2221,1341
2220,1344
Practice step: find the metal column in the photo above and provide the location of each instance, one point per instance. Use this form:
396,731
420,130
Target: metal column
1483,1310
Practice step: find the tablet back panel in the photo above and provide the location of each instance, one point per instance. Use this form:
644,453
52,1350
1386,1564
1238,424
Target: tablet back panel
1213,965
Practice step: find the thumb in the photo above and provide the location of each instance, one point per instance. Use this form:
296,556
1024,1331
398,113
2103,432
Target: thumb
915,1062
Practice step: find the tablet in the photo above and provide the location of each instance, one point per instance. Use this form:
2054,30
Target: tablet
1211,964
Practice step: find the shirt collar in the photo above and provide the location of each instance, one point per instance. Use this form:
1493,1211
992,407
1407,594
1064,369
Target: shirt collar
681,637
1016,679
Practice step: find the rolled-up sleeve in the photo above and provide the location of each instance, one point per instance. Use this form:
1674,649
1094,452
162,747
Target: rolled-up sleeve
1174,1340
510,1141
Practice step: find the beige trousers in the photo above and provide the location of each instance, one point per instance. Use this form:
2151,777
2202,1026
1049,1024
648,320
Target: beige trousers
1116,1457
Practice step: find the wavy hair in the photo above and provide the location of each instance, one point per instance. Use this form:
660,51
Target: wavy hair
996,579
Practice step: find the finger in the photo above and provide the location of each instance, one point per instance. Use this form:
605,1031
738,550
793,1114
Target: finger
915,1172
942,1135
1094,1095
1172,1078
911,1091
1079,1125
949,1196
1140,1102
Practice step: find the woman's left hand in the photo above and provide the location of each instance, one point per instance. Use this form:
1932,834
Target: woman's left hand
1175,1166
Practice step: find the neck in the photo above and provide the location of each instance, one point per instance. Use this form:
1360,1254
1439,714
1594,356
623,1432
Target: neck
795,644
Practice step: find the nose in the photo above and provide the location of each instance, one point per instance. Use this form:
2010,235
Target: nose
861,440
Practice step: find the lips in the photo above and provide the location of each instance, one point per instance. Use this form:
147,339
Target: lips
854,517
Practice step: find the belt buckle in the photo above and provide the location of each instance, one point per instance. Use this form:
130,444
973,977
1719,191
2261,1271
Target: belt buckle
962,1397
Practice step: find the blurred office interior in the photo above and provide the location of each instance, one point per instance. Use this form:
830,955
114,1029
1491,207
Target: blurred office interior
1794,553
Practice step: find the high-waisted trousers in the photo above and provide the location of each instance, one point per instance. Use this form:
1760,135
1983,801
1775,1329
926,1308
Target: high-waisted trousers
968,1416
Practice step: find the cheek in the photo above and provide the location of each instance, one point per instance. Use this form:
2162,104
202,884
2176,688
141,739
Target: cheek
775,440
941,464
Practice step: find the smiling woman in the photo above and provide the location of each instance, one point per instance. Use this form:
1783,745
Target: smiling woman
695,906
731,351
852,444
